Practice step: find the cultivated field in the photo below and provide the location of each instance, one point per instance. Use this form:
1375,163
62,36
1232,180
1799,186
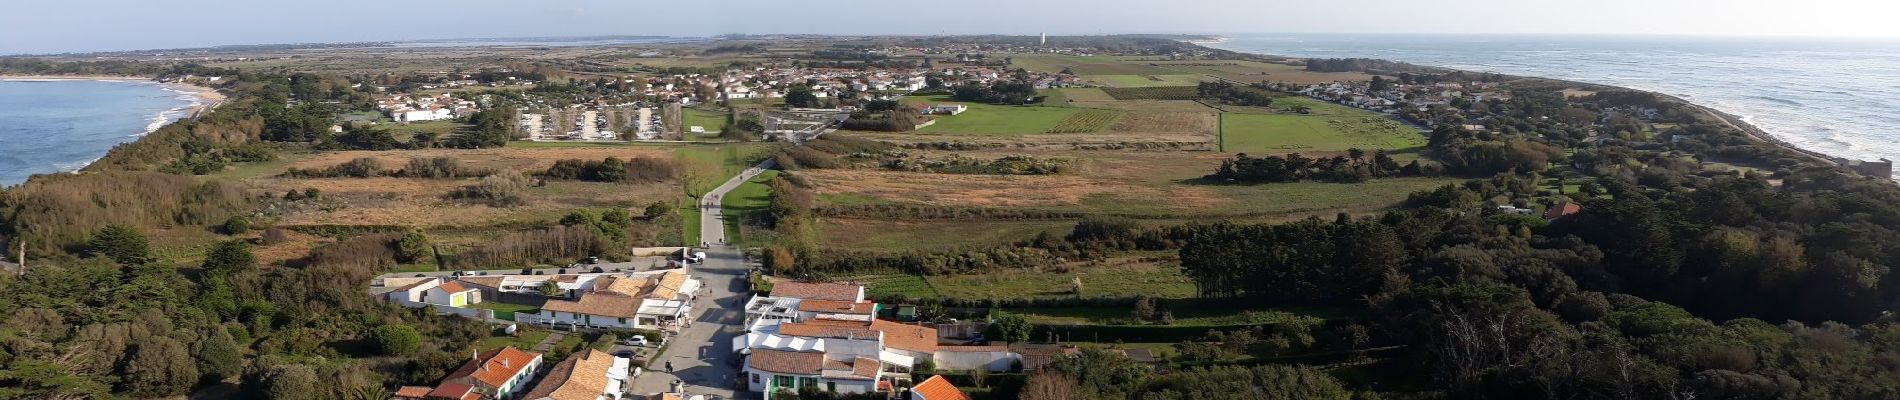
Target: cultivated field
1146,80
1154,93
988,119
1253,71
1285,133
1086,121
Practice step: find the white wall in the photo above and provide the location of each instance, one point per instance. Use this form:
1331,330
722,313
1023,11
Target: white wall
994,361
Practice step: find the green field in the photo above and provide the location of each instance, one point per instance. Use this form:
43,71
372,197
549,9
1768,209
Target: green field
525,339
712,121
1102,281
1145,80
1062,97
505,310
441,129
894,236
1197,315
894,283
1287,133
989,119
751,196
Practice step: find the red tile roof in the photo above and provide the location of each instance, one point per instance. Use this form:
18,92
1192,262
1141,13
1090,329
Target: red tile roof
817,291
453,287
936,388
786,362
495,368
902,336
836,307
413,392
828,329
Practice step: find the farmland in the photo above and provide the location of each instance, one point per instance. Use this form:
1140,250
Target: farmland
1086,121
1285,133
1145,80
989,119
1154,93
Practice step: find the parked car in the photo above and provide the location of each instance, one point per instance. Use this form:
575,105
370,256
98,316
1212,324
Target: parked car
640,341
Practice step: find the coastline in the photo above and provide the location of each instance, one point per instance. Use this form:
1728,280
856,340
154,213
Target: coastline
202,99
1749,130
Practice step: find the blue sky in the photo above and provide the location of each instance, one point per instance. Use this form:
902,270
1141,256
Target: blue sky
43,26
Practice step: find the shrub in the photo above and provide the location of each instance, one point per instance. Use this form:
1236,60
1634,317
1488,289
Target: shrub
237,225
502,189
395,339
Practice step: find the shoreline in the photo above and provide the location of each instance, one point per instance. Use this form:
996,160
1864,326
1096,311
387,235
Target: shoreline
1749,130
202,100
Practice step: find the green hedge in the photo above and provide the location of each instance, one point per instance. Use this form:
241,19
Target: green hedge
1143,333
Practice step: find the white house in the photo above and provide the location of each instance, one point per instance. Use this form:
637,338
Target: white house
498,374
619,302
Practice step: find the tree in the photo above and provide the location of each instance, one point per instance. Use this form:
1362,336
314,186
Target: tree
218,355
1051,386
159,367
121,244
290,382
549,288
800,96
228,258
1010,327
1144,308
395,339
413,247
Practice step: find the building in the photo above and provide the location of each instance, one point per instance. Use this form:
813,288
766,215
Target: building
497,374
1561,210
935,388
591,375
622,302
434,292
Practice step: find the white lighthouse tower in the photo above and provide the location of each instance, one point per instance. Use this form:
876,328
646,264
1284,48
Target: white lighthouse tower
1045,39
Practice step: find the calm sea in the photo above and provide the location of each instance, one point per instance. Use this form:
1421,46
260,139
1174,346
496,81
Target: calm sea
1835,96
63,125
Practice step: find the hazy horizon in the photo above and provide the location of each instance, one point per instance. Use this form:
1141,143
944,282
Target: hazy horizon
115,25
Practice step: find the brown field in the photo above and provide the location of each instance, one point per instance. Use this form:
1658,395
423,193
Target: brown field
421,202
1045,191
526,160
1575,93
1145,105
1167,121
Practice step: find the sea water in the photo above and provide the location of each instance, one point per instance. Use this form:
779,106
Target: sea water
60,126
1836,96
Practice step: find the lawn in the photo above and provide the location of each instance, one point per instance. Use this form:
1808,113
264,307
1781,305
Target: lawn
990,119
1145,80
894,283
1064,96
707,166
712,121
1287,133
441,129
506,310
524,339
751,196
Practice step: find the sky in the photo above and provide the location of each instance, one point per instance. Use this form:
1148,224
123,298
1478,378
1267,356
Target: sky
55,26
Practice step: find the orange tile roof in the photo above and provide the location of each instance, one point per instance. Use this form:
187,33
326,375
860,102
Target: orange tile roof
817,291
451,390
414,285
786,362
866,367
453,287
666,286
936,388
598,303
495,368
835,306
582,376
916,338
857,331
413,392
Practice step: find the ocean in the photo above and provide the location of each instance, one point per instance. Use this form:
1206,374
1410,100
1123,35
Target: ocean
55,126
1836,96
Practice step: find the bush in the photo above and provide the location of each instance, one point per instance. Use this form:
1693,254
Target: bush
500,190
237,225
395,339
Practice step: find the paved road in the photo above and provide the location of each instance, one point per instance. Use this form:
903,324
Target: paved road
700,352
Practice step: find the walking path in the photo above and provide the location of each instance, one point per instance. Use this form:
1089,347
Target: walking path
548,343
